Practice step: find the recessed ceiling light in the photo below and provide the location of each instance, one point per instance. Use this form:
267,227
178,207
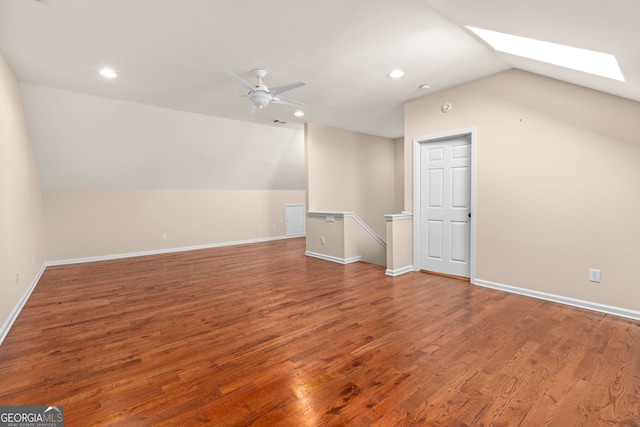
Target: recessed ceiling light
396,74
298,114
425,86
588,61
108,73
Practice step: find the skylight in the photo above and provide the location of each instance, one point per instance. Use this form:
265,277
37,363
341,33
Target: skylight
588,61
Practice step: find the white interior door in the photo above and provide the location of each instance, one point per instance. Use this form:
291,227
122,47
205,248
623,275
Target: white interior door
294,220
445,206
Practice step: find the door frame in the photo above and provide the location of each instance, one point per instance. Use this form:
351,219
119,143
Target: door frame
417,194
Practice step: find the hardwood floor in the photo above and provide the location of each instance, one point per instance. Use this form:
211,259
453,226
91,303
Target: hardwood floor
261,335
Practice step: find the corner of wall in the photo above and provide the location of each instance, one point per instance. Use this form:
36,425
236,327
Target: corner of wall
22,252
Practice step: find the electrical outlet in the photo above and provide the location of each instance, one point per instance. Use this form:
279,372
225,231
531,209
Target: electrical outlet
594,275
273,227
322,241
164,236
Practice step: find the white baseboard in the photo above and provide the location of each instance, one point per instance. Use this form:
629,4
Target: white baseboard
333,259
18,308
165,251
602,308
399,271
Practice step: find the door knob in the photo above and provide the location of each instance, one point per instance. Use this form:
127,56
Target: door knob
469,214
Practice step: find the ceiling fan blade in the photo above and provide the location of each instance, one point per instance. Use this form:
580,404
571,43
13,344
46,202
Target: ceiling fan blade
279,89
285,101
238,80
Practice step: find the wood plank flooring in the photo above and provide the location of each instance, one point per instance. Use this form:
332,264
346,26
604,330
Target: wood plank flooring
261,335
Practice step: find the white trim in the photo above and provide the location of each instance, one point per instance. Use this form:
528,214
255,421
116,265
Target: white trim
333,258
164,251
326,213
18,308
602,308
355,217
398,217
368,229
399,271
472,132
335,214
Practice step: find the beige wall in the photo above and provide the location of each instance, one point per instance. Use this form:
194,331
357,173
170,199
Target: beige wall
399,244
333,233
398,145
350,172
358,242
556,182
93,223
342,240
21,224
117,174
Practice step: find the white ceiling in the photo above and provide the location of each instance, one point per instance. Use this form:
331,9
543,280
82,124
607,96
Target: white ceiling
170,53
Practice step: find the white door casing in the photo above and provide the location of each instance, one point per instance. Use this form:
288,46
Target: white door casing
444,228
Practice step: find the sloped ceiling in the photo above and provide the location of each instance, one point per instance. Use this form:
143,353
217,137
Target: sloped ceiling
171,53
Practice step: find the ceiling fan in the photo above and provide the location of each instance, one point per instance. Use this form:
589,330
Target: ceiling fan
260,95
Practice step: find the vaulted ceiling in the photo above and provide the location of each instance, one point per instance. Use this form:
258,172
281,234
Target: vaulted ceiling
172,53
